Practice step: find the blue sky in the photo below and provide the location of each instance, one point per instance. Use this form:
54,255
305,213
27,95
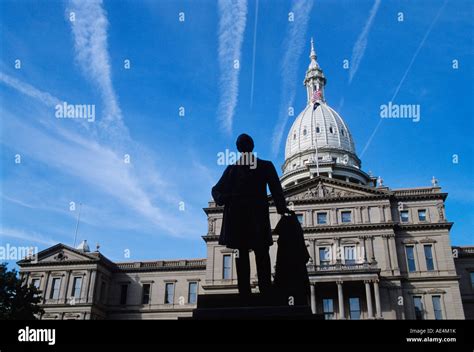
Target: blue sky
135,206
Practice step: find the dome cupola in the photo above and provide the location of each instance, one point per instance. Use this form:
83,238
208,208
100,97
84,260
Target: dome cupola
319,141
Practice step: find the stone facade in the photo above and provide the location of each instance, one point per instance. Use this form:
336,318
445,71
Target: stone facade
360,266
464,260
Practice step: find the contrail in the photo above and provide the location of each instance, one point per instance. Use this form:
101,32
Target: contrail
232,21
406,73
293,43
360,45
254,51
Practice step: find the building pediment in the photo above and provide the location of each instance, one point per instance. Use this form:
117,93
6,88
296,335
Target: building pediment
320,188
58,254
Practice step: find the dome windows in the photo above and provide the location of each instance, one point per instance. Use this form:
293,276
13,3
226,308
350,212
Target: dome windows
304,132
331,130
294,136
342,132
317,129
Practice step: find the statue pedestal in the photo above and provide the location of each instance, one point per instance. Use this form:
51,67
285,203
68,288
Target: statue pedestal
256,306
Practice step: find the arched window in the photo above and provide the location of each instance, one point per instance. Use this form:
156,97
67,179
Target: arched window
330,130
294,136
342,132
304,132
317,129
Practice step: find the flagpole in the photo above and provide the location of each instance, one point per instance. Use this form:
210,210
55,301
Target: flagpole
77,225
316,142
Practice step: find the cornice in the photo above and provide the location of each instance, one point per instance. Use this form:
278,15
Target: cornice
348,227
425,226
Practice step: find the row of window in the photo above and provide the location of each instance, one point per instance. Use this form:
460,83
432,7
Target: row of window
355,311
350,255
420,312
354,308
346,216
318,130
322,217
56,287
169,293
405,215
411,262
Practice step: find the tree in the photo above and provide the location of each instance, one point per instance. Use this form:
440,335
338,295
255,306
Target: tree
17,300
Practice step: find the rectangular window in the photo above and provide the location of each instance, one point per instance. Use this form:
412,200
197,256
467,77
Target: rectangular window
55,288
324,256
76,287
422,214
322,218
410,252
328,309
102,292
169,293
349,255
300,218
418,303
146,293
429,257
438,312
346,216
192,293
404,216
472,279
123,294
36,283
227,267
354,308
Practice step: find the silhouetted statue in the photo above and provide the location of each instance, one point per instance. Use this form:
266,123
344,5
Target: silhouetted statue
242,190
291,274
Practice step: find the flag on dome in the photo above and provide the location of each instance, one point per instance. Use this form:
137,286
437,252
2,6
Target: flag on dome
315,98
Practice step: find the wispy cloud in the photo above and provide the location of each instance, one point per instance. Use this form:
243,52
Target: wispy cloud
33,237
397,89
90,42
29,90
294,43
232,21
360,45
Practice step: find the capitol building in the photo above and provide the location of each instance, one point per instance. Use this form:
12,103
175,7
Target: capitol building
376,252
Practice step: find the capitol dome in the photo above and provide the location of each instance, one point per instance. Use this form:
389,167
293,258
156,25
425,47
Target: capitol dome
321,127
319,141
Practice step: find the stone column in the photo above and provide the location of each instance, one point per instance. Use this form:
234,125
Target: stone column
388,212
393,254
333,217
340,298
90,294
337,247
369,299
378,308
388,265
309,218
357,216
313,298
382,214
68,277
89,275
45,292
372,254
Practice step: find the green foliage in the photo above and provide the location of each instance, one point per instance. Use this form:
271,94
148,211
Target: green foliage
17,301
